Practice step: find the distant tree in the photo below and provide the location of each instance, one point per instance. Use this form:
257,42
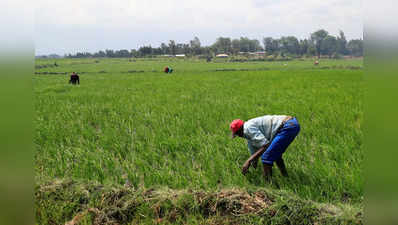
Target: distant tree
271,45
186,49
329,46
235,45
157,51
244,44
172,47
249,45
290,45
320,42
342,44
304,47
195,46
100,54
109,53
134,53
145,50
208,50
123,53
165,49
223,45
312,50
83,55
179,48
254,45
317,38
355,47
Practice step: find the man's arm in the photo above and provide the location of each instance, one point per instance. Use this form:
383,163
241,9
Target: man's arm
254,158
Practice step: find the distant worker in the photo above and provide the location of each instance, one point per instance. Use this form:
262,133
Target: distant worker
74,78
268,137
168,69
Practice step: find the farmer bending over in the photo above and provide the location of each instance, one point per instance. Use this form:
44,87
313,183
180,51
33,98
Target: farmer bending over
74,78
168,69
267,136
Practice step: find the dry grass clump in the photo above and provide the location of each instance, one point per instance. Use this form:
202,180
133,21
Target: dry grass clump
72,203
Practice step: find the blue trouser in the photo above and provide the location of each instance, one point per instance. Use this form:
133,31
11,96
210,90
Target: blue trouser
281,141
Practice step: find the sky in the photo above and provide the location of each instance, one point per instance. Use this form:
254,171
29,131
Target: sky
72,26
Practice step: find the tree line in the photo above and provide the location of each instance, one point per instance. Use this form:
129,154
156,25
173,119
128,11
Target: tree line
320,43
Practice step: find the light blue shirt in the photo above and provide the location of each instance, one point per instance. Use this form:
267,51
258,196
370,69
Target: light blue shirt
261,130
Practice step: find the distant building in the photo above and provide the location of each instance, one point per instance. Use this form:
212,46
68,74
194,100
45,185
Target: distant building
222,56
180,55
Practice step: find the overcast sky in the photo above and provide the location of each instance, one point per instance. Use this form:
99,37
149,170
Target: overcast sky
91,25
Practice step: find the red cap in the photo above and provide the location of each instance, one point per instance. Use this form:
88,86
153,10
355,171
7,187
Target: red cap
235,126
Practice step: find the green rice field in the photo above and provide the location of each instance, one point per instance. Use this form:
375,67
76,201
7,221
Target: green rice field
128,124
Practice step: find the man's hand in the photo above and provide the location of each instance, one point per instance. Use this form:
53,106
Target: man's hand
254,164
253,158
246,167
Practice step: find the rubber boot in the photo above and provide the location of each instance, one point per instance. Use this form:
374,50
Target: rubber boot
267,172
281,165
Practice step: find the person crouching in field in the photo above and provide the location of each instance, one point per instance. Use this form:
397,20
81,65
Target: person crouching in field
168,69
267,136
74,78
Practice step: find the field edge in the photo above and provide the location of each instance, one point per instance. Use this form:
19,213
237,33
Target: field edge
72,202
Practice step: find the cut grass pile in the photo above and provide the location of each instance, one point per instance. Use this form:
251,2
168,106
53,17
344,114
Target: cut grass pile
71,203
